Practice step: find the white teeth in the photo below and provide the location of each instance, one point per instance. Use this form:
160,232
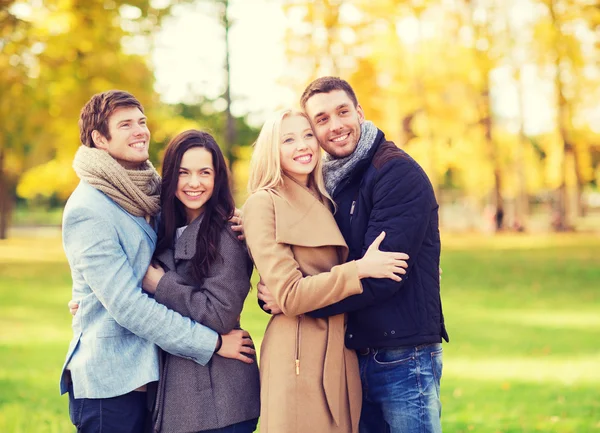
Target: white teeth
305,158
193,193
340,138
139,145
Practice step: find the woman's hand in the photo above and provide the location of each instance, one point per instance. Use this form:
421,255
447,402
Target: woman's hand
382,264
236,224
152,277
264,294
237,345
73,307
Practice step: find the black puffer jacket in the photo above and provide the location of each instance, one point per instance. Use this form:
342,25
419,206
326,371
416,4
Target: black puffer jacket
390,192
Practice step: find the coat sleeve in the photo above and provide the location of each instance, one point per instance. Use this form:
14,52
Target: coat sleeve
93,247
218,301
403,200
294,293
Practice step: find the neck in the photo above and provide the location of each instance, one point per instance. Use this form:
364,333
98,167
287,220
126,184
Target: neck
302,179
192,214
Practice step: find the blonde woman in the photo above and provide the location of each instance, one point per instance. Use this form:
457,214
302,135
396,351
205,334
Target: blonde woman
309,380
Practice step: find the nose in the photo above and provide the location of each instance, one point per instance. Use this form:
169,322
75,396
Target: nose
194,180
140,129
334,123
301,145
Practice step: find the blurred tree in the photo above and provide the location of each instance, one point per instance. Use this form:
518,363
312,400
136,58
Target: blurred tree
60,53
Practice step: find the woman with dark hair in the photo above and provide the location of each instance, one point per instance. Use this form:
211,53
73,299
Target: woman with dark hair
203,272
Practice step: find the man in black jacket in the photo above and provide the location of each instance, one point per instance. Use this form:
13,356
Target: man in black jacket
395,327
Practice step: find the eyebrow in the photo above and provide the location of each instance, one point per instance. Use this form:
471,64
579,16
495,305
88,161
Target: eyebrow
345,104
200,169
130,120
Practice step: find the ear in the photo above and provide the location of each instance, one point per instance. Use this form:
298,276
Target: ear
361,114
99,140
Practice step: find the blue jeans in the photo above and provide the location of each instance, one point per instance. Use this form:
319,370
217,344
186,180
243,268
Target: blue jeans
241,427
401,389
123,414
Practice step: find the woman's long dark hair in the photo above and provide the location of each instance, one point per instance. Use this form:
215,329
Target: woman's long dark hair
217,210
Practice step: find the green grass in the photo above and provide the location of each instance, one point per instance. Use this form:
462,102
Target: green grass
523,315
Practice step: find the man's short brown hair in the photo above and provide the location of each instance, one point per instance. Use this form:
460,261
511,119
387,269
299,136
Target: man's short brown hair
95,113
326,85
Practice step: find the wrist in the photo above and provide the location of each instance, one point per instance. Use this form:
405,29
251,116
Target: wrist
360,268
219,343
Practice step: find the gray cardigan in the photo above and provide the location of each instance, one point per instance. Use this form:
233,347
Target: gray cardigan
192,397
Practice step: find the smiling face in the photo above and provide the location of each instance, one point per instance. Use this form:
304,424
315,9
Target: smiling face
129,137
196,181
298,148
336,121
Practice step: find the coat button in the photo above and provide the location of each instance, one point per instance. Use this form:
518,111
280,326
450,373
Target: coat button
393,332
350,335
385,334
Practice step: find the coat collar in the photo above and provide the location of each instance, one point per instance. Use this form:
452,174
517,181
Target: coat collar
301,219
185,247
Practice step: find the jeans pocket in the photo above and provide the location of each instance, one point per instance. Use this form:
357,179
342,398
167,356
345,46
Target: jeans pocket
393,357
437,366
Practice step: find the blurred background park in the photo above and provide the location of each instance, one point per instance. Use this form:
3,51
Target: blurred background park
498,100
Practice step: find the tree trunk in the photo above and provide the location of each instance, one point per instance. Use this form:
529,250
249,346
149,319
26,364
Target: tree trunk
493,154
522,202
230,126
5,200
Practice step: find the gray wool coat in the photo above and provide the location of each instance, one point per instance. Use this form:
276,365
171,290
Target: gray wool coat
191,397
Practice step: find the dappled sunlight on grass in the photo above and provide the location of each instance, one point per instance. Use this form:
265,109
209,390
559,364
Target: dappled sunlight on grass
32,250
516,241
559,369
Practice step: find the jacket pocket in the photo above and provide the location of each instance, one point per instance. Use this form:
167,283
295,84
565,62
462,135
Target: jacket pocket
110,328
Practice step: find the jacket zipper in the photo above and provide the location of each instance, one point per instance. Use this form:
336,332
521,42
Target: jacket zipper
298,336
352,210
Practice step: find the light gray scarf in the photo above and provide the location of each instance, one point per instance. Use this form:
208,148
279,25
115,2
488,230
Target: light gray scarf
335,170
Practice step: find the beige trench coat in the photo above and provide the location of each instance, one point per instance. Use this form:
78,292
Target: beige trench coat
309,380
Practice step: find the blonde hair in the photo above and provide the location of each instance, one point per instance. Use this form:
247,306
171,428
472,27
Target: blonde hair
265,164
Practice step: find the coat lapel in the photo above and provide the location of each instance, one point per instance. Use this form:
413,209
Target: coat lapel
185,247
301,219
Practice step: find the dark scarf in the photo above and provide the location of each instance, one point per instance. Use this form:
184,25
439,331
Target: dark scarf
335,170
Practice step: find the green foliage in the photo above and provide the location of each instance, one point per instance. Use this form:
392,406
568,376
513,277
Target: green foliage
522,313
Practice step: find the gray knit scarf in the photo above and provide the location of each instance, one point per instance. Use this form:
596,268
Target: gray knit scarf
136,191
335,170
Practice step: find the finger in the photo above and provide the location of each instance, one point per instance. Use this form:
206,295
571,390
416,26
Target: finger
241,237
237,212
400,263
245,359
378,240
236,227
399,270
395,277
260,295
247,349
400,256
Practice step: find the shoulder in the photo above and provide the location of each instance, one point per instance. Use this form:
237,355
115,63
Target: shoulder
261,199
392,164
87,199
389,152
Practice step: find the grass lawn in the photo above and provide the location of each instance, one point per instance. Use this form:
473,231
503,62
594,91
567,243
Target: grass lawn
523,315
